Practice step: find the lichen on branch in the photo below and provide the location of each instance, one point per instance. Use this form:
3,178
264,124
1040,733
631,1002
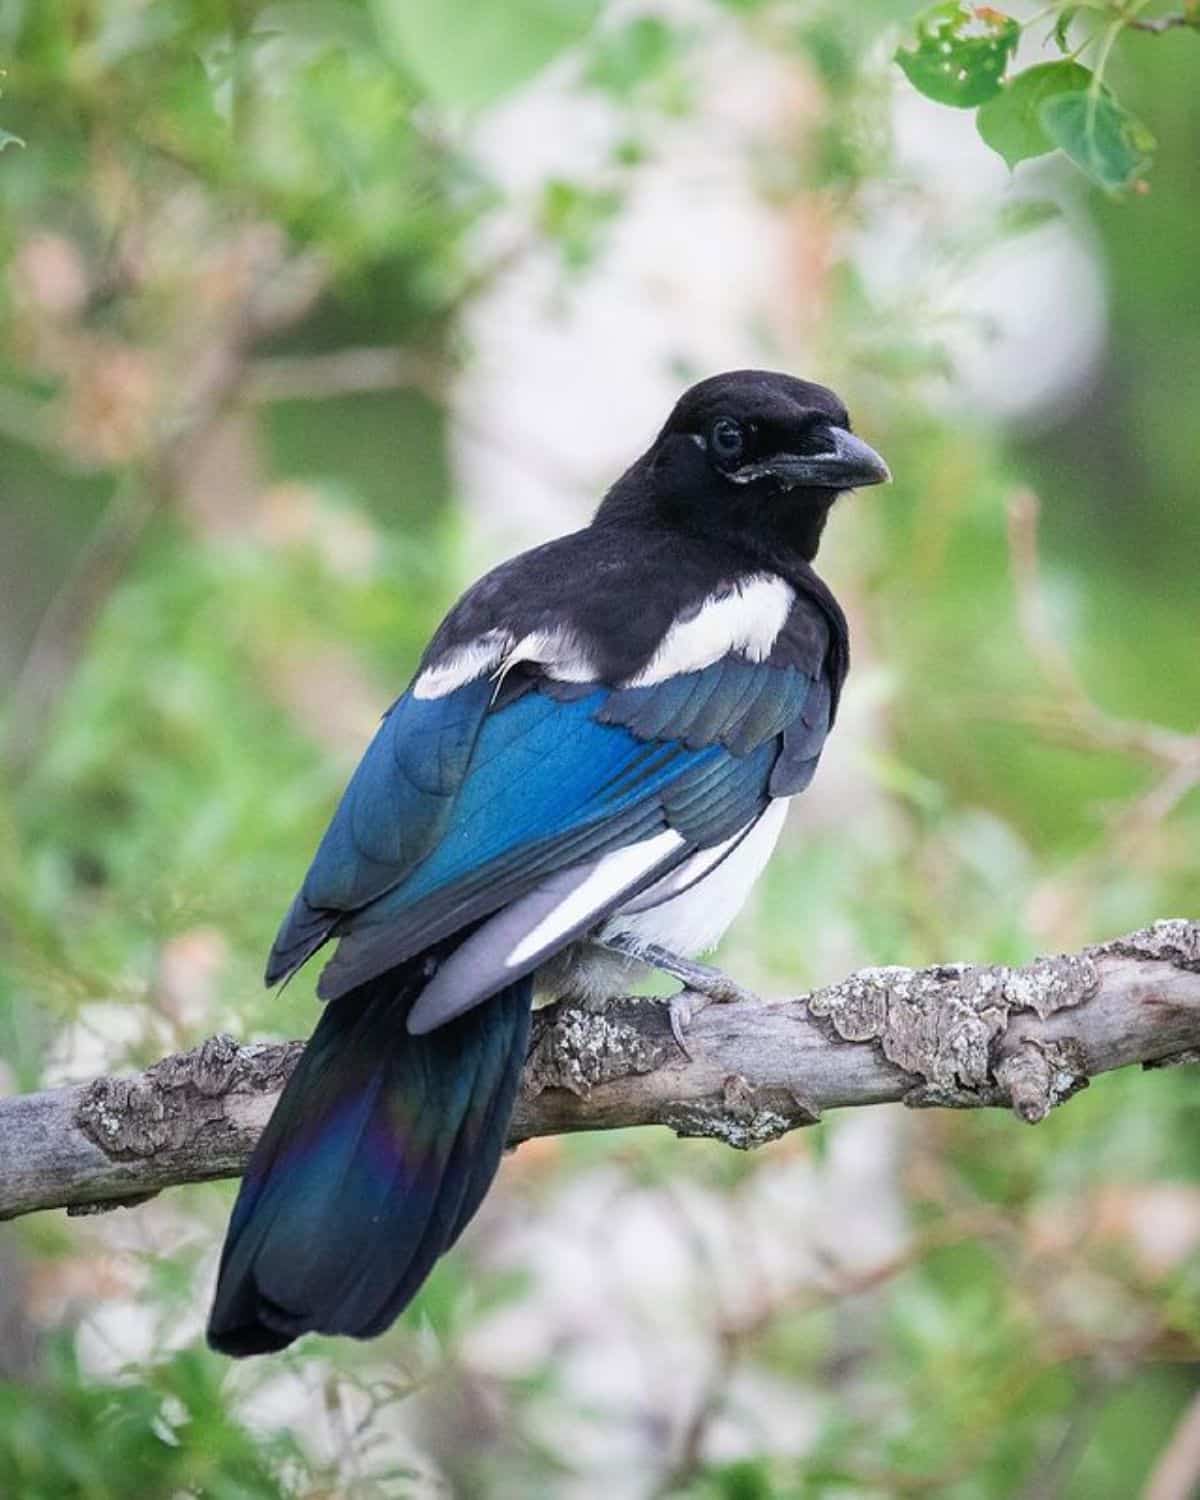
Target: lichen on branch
953,1035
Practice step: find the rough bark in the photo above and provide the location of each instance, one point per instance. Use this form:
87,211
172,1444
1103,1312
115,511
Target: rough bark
956,1035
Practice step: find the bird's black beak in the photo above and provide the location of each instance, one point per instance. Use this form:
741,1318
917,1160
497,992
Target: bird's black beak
847,464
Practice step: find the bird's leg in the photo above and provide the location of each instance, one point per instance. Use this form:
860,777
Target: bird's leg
702,984
703,979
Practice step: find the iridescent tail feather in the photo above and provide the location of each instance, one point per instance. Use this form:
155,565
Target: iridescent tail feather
379,1152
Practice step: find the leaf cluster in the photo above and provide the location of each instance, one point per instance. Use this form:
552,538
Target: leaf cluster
962,56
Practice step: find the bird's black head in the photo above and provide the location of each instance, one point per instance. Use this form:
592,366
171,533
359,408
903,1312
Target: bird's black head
749,455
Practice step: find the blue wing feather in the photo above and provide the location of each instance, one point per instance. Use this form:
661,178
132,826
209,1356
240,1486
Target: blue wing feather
392,813
549,786
460,808
734,703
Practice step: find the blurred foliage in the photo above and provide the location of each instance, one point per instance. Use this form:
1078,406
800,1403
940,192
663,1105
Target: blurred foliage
240,243
165,1434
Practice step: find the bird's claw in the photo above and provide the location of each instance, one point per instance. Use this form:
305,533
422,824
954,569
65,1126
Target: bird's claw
702,984
711,988
682,1009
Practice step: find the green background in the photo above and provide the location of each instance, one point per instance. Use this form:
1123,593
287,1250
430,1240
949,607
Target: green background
1034,1329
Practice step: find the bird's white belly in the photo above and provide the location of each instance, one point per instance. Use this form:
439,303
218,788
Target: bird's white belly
712,890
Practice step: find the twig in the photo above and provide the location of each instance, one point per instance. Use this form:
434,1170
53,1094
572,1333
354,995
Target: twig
345,372
350,372
1056,1467
736,1336
1073,717
67,624
957,1036
1176,1475
731,1343
1156,25
276,300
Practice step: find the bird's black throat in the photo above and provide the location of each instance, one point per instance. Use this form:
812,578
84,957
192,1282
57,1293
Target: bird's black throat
774,527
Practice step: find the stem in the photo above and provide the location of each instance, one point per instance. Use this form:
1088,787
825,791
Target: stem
65,629
1110,40
1157,25
239,31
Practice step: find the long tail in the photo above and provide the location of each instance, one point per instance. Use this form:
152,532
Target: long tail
379,1151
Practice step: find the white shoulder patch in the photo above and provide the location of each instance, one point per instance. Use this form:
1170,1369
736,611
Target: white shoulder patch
463,664
747,618
560,653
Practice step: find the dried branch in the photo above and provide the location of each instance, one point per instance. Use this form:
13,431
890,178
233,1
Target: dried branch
1156,25
1176,1475
345,372
274,301
65,628
957,1035
375,368
1072,717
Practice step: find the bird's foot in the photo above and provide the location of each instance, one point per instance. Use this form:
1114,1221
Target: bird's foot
703,985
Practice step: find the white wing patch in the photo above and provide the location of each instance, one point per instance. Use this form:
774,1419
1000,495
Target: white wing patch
519,937
689,910
747,619
560,653
607,878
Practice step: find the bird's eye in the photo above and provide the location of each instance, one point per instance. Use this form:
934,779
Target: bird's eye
727,439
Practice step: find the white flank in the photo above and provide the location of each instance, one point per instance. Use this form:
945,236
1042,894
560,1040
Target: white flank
710,893
747,620
613,874
463,664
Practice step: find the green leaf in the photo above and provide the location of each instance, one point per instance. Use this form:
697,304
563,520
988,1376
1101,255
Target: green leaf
961,53
577,217
628,56
1062,26
1011,123
1026,214
472,52
1100,136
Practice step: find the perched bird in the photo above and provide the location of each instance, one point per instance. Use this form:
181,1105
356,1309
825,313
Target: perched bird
589,770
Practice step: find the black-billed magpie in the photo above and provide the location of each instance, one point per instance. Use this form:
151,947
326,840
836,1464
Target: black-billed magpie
591,766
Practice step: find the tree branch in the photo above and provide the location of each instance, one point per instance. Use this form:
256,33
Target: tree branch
956,1035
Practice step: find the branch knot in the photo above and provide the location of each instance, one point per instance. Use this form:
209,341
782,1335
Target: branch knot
169,1105
578,1049
943,1024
